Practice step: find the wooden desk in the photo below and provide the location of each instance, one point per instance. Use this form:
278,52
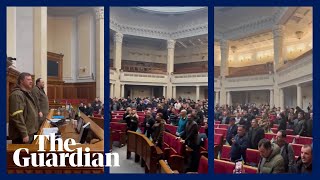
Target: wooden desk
67,131
144,148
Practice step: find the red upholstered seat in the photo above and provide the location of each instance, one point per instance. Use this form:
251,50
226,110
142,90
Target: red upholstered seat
250,170
221,131
304,140
223,126
202,129
119,130
269,136
203,165
225,152
97,115
216,125
218,138
290,138
172,129
217,122
252,157
297,149
274,130
223,167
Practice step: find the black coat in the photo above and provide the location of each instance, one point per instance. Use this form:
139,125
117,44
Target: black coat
232,131
258,136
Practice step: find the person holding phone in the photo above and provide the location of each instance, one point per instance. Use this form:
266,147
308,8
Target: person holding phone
239,145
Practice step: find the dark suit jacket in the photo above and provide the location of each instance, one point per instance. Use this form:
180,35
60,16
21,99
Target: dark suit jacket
232,131
258,136
190,134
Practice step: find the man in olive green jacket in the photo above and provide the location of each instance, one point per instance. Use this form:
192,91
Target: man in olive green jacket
41,99
271,160
23,111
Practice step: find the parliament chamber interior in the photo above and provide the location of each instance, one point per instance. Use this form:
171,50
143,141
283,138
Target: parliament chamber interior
159,89
55,64
263,90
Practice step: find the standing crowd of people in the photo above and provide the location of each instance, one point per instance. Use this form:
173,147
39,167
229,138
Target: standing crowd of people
186,114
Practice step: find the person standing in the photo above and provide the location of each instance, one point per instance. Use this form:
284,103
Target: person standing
23,111
41,99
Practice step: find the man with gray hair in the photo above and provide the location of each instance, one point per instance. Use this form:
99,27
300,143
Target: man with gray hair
182,122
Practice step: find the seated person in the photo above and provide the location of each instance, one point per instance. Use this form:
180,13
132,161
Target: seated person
89,110
304,162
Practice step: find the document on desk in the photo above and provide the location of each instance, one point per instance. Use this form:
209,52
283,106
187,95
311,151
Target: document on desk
47,131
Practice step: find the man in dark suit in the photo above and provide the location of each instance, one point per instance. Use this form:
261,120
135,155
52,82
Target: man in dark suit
255,135
232,130
190,137
239,145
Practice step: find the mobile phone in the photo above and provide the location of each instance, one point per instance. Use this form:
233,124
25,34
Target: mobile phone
238,167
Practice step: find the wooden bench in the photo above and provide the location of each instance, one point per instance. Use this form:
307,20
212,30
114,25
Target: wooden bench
144,149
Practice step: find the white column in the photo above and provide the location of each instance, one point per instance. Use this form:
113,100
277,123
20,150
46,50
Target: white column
111,90
164,91
122,90
229,98
174,92
197,93
271,98
100,53
299,96
281,98
117,58
170,65
278,33
247,97
216,98
278,37
224,69
40,43
11,33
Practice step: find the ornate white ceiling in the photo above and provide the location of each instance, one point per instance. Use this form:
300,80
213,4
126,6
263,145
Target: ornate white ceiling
250,28
144,23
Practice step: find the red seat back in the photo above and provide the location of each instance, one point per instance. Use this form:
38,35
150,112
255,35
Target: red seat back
202,129
274,130
289,131
269,136
118,126
172,129
221,131
223,126
223,167
218,138
297,149
304,140
217,122
203,165
225,152
290,138
252,156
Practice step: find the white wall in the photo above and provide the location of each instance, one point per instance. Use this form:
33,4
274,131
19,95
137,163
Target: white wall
142,91
186,91
24,40
144,54
257,97
307,94
60,40
86,41
192,54
290,97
